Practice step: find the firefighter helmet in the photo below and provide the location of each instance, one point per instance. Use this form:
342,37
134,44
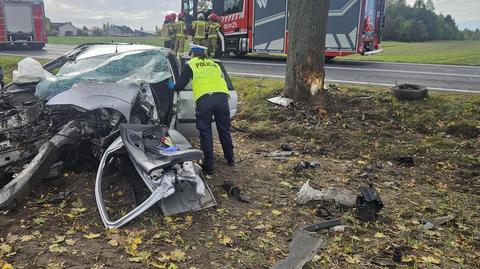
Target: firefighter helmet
213,17
168,18
181,15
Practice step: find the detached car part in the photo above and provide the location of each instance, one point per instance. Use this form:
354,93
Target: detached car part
171,176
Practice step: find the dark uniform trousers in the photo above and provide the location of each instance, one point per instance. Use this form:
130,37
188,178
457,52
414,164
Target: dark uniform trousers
216,105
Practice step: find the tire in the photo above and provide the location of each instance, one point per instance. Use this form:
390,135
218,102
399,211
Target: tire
240,54
410,92
218,52
329,58
38,46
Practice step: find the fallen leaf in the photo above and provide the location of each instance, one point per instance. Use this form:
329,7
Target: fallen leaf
70,242
11,238
56,248
140,256
7,266
91,236
380,235
457,260
276,212
58,239
178,255
352,259
5,249
430,259
189,220
172,266
226,241
26,238
113,243
39,221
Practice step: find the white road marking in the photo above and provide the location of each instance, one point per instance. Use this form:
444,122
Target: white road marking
350,82
367,70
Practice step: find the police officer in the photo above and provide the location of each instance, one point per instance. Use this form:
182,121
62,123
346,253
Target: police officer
180,34
166,32
199,30
213,27
211,95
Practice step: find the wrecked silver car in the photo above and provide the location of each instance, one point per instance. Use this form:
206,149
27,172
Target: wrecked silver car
109,100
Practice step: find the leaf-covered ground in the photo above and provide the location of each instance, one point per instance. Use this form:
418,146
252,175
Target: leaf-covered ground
356,142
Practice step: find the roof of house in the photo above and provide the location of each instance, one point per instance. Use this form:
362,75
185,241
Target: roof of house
57,25
123,29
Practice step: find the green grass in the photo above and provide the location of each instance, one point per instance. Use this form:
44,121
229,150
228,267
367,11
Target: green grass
436,52
78,40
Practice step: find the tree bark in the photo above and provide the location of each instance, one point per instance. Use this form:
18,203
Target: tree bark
307,26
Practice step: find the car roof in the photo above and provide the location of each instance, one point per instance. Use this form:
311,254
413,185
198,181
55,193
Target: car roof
95,50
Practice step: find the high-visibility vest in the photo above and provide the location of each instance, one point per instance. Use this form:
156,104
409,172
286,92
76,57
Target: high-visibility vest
213,28
165,29
171,29
207,78
200,29
180,28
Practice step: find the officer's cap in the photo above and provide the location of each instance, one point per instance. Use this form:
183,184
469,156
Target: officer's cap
197,48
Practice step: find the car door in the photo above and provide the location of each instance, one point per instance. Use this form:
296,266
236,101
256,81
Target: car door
185,107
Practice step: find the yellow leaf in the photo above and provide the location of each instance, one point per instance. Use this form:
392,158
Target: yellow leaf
276,212
352,259
430,259
70,242
7,266
159,265
178,255
457,260
189,220
380,235
56,248
58,239
172,266
167,219
140,256
271,234
39,221
226,241
91,236
407,259
113,243
26,238
70,232
5,248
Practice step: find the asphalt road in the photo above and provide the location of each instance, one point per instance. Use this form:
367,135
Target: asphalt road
435,77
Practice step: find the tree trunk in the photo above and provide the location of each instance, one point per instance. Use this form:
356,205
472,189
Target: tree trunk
307,26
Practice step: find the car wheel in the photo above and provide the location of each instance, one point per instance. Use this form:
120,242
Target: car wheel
410,92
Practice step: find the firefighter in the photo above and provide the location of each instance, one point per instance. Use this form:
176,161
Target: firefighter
166,32
199,30
173,19
211,94
213,28
180,34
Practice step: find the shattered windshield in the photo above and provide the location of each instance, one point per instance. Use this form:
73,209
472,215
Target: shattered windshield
134,67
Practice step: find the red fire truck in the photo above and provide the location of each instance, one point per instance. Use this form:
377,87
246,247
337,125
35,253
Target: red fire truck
22,24
354,26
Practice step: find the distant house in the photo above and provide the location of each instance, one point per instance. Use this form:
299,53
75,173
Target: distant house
116,30
64,29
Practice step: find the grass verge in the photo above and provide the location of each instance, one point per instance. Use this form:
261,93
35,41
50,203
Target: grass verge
435,52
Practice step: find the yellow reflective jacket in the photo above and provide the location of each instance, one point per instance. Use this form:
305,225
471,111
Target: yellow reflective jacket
207,78
200,29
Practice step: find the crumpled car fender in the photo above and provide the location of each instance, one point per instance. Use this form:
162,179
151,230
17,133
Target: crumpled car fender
91,96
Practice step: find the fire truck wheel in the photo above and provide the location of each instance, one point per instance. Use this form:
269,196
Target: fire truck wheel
240,54
329,58
38,46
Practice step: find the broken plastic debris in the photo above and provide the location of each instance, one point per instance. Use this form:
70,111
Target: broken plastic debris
368,203
342,197
433,223
280,154
282,101
302,249
306,165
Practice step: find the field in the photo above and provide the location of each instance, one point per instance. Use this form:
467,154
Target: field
78,40
438,52
356,140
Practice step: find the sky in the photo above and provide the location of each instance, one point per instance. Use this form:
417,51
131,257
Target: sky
150,13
